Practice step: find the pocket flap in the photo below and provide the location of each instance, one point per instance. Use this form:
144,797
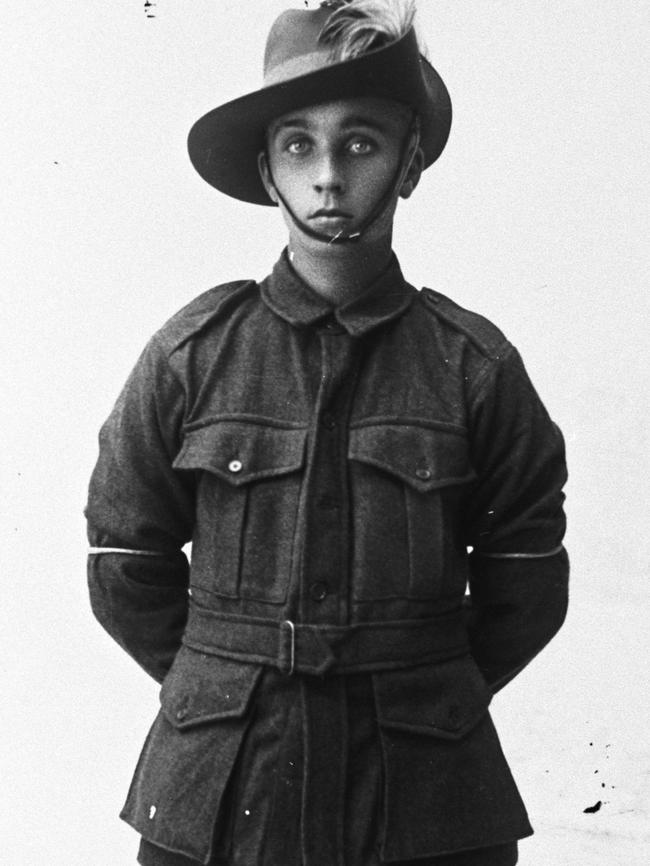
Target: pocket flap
444,700
242,451
426,458
202,688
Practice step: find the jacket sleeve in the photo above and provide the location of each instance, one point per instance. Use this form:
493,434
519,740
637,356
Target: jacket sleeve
140,514
519,568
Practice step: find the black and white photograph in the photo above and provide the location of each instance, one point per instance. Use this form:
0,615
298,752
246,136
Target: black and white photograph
325,433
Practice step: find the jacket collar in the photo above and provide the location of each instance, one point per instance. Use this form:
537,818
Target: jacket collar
293,300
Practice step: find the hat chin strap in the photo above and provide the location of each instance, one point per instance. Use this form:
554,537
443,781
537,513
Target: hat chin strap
403,168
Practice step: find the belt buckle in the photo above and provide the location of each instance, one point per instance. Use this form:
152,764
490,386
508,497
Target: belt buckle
292,646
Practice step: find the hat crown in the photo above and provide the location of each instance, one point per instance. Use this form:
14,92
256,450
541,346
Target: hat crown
293,47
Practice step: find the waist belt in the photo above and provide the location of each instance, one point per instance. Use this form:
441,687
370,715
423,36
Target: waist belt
319,649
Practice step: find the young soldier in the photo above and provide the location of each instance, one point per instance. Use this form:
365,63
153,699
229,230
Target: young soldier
333,442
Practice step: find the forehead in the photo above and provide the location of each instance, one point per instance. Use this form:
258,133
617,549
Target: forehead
383,115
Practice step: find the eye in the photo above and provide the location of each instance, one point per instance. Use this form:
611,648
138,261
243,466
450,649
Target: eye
297,146
361,146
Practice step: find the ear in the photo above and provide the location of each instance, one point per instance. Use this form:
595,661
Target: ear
413,175
265,174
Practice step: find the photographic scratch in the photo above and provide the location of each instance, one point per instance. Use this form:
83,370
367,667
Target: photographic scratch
148,7
590,810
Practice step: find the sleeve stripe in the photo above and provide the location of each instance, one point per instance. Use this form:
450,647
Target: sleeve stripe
97,551
553,552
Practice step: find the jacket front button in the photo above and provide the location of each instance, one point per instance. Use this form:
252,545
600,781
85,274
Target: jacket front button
318,591
328,421
235,466
181,713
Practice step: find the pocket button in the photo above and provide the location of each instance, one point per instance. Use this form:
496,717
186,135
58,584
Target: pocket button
235,466
318,591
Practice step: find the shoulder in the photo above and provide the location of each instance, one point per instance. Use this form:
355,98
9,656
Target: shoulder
206,310
484,336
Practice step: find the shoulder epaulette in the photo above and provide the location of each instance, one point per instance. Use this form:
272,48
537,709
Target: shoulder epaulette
201,312
483,334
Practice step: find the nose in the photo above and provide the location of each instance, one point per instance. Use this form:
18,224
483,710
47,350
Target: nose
328,175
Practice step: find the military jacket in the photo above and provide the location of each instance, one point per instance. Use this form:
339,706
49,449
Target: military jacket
373,496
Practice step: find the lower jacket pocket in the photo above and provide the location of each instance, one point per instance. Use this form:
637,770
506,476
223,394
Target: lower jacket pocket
447,785
178,787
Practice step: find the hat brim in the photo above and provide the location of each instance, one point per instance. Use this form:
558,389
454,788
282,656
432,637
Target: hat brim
224,144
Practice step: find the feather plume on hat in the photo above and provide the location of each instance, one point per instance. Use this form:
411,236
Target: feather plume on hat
358,26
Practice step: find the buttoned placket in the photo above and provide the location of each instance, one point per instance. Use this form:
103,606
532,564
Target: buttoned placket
319,592
324,579
324,591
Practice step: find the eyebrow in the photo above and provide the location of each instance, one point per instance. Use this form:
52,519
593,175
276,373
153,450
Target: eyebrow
360,120
298,122
290,122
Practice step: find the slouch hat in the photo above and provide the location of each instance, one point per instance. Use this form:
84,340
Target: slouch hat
301,69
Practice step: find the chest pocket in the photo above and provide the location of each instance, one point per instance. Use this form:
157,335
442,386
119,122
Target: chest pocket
406,482
247,505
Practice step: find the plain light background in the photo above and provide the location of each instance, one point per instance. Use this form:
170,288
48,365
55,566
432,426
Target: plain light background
536,215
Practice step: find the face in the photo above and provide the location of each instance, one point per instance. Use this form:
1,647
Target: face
332,163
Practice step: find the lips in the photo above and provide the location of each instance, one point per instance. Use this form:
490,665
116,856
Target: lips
330,213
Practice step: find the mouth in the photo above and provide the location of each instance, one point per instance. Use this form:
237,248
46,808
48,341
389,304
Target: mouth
330,214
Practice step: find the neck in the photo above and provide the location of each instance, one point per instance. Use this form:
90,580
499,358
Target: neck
341,272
